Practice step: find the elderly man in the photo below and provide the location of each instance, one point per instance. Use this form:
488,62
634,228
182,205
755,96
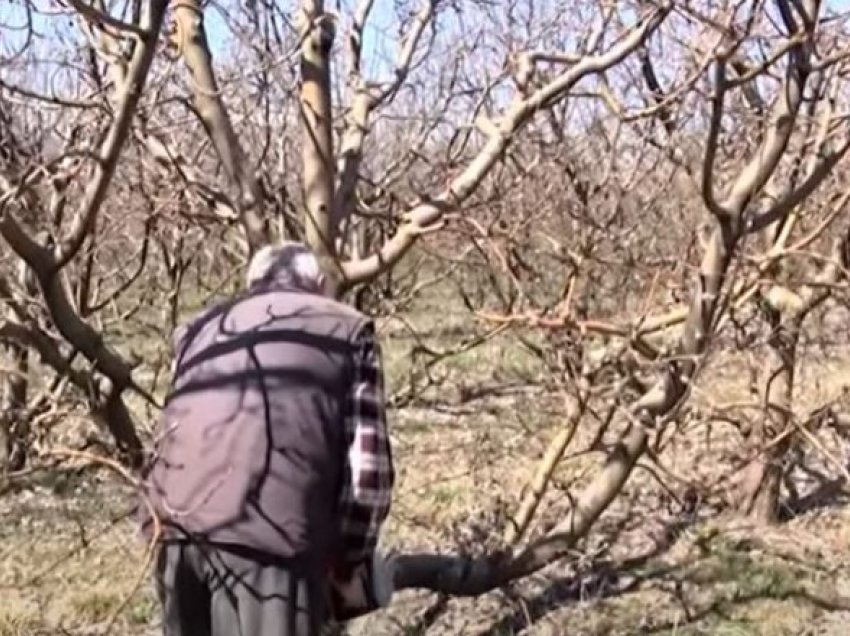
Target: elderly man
273,474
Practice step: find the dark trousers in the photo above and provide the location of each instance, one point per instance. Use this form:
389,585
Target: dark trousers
229,591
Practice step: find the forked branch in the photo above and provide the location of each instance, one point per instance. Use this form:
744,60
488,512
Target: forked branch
192,43
127,97
429,214
474,576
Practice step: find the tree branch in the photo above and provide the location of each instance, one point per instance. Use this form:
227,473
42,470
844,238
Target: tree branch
106,405
317,34
127,98
366,99
192,43
465,576
101,17
427,216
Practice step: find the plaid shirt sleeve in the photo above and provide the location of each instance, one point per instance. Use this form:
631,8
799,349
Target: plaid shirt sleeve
367,488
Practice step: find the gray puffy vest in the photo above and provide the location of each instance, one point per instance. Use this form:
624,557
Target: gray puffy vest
251,448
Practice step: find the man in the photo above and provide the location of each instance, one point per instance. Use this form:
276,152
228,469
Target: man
273,473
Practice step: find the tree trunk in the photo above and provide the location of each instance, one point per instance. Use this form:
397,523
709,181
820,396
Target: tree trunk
317,33
13,425
762,488
773,434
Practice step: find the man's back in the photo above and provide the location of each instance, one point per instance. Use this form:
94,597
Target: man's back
273,474
252,445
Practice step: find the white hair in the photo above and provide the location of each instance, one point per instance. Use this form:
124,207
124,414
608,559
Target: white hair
287,262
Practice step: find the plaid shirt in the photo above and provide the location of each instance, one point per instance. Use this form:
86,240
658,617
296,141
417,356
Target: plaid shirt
367,488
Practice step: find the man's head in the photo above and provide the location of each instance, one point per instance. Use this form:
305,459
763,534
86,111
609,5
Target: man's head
289,263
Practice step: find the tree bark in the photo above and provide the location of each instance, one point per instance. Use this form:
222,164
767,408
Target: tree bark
775,433
192,42
12,409
474,576
320,222
126,98
13,403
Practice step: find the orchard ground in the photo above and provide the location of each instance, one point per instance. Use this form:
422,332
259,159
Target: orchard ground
70,559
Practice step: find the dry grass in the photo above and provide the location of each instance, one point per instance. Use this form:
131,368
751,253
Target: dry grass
69,557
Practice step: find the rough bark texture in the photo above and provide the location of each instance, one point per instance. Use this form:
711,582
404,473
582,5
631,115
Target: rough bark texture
317,33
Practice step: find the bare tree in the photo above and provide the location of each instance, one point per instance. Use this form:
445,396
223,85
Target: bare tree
742,211
49,257
571,172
